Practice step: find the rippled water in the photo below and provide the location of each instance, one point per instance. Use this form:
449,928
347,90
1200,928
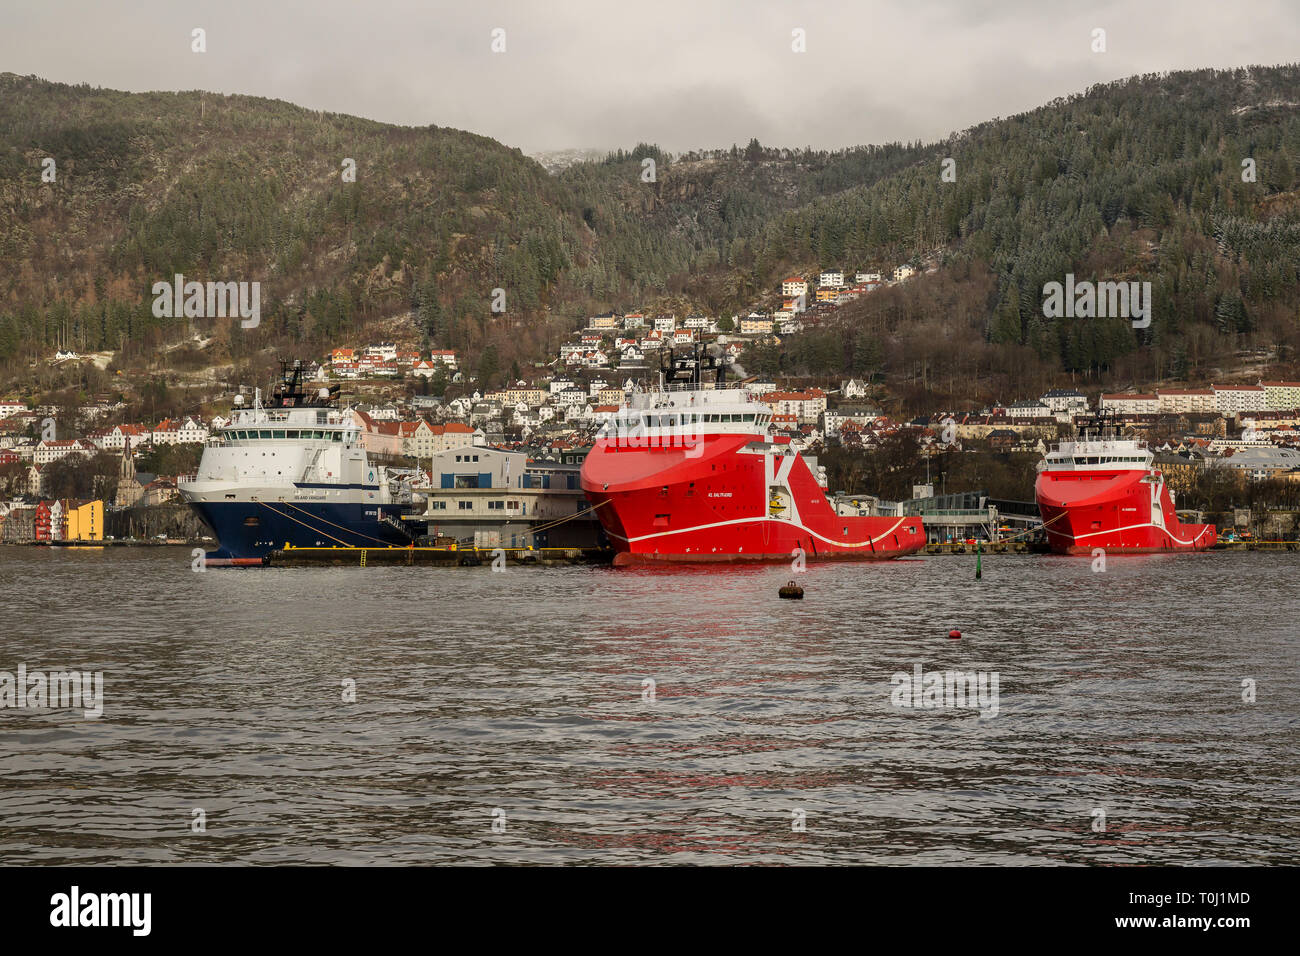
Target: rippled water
522,692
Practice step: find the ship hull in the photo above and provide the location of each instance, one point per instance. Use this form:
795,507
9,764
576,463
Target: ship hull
712,502
298,524
1124,512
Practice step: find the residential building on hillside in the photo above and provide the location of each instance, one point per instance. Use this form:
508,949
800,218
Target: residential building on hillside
834,419
1231,399
1175,401
1029,408
1065,400
1130,404
1281,396
48,451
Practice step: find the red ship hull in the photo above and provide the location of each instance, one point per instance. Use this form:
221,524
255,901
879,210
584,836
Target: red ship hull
1122,511
714,499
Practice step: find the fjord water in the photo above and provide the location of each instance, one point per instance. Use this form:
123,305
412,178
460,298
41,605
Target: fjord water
522,692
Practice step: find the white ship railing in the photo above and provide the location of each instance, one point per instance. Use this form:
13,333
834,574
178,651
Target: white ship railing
731,387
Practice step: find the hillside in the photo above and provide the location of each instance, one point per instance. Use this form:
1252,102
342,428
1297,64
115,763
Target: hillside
1140,179
1136,180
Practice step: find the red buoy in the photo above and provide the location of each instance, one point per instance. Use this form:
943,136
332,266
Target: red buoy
954,634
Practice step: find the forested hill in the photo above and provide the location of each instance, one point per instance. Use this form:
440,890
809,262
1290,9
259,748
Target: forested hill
235,187
1139,179
1185,180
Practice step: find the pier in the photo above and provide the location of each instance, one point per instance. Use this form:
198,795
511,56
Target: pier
435,556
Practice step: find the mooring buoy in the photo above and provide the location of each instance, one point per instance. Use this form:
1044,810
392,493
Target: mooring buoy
792,591
955,634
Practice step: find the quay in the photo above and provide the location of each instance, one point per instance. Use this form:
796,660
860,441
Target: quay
435,556
1257,546
985,547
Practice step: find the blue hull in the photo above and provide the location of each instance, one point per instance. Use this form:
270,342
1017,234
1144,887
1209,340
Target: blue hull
247,529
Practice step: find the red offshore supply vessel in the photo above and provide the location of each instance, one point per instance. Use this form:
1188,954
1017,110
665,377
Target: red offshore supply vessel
685,473
1102,492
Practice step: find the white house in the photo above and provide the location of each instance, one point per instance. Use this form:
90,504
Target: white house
445,357
48,451
1065,400
192,432
1028,409
570,397
834,418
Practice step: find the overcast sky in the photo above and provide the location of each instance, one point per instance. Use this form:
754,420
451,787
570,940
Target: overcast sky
699,73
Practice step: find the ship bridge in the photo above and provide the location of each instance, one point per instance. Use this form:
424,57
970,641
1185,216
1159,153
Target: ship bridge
1097,455
674,412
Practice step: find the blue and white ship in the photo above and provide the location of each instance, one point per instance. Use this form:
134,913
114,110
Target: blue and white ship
293,472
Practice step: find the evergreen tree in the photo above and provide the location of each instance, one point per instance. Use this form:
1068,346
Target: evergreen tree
1006,327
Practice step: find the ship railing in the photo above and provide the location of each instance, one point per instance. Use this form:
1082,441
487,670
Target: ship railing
1075,442
690,387
186,479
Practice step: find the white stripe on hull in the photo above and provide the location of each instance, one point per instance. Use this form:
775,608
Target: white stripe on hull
789,524
1132,527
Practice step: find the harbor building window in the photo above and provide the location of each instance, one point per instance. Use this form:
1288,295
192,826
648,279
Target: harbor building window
465,505
437,506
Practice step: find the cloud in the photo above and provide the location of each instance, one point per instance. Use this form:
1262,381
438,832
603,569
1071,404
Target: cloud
681,73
